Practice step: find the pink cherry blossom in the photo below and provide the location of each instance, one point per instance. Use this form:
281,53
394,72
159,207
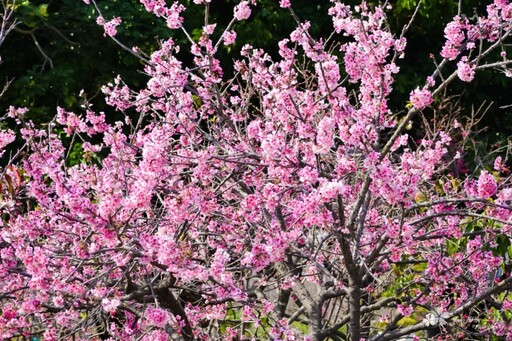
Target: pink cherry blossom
420,99
13,112
229,37
284,3
209,28
157,317
6,137
174,20
110,305
486,185
465,71
110,26
242,11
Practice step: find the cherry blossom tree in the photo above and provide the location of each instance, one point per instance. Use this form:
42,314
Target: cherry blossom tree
285,202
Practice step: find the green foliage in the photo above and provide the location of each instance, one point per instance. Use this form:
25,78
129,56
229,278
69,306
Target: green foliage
71,54
76,155
302,327
33,14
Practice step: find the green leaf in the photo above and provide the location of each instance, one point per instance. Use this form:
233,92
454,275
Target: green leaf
503,245
302,327
43,10
420,267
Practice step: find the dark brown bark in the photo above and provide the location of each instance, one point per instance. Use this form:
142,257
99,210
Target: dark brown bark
354,326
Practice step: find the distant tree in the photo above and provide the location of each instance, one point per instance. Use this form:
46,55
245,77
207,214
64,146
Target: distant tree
284,202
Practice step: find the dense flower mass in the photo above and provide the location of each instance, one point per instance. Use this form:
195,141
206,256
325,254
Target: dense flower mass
6,137
288,202
242,11
465,71
487,186
420,99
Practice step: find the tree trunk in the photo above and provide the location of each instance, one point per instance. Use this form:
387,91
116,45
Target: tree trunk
354,328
